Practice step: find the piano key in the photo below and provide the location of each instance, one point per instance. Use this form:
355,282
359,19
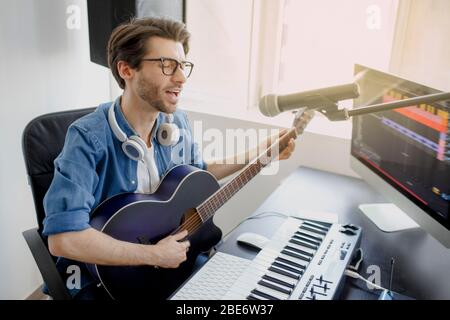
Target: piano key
287,268
292,263
264,295
299,244
295,255
309,236
282,265
245,284
272,292
281,277
321,223
314,225
313,230
298,236
261,271
303,252
280,282
252,297
262,262
285,273
274,287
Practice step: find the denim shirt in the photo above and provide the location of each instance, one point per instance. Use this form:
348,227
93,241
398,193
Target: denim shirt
93,167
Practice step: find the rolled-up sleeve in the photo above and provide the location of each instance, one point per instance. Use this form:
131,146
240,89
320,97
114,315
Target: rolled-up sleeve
70,197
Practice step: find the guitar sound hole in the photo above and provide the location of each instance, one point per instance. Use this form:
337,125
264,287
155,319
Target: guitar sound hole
190,221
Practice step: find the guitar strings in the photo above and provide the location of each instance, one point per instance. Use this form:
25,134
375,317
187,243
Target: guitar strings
195,221
192,222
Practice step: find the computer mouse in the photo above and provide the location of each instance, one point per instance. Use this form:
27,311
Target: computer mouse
252,239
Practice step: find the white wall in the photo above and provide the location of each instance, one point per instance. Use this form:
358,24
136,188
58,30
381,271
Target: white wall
44,67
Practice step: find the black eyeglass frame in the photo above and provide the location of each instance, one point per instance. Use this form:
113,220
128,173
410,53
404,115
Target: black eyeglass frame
181,65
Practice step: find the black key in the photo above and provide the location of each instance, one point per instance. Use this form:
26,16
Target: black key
315,226
292,263
287,268
281,282
320,223
302,243
309,236
295,255
252,297
264,295
284,273
303,252
313,230
274,287
297,235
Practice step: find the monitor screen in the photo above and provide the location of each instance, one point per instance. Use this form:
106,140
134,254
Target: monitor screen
408,148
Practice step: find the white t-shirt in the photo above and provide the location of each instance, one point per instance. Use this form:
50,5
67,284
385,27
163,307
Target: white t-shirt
147,173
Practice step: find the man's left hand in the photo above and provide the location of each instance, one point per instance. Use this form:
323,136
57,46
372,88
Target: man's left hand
287,152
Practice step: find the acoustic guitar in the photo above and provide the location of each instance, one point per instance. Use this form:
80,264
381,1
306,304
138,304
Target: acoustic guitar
186,199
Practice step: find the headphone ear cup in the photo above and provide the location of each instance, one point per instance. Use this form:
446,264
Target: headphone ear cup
135,148
168,134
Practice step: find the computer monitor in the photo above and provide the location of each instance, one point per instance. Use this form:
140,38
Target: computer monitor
404,154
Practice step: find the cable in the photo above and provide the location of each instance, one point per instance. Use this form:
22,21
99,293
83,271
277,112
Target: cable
261,215
359,254
265,214
355,275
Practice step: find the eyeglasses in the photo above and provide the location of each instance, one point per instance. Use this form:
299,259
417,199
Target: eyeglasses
169,66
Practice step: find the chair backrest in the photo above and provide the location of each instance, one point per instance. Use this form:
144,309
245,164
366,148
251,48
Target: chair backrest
42,141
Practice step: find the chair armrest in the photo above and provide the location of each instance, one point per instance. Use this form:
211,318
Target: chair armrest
46,265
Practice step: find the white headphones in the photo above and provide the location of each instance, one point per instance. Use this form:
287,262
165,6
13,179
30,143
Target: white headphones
133,146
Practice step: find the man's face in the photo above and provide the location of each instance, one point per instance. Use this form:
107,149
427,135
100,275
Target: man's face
160,91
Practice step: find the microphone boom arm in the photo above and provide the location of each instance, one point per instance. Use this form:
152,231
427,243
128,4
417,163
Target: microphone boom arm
330,109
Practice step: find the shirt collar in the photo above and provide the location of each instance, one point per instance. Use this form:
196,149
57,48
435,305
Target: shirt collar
126,126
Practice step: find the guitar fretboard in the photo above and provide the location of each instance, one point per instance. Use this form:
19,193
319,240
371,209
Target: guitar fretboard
207,209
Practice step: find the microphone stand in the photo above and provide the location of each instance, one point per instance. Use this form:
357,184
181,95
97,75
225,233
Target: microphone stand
330,109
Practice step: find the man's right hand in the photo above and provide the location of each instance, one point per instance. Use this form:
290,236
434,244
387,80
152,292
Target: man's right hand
93,246
170,252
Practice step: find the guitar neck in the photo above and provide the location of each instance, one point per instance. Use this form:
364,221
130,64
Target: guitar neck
208,208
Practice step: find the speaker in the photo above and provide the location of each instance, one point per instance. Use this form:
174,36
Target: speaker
105,15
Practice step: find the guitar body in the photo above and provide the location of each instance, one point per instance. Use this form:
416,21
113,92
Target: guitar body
148,218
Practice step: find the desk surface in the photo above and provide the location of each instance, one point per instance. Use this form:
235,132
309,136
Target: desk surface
422,265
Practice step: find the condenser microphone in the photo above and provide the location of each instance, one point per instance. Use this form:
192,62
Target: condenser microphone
271,105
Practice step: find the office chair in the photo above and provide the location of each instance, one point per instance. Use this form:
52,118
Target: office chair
42,141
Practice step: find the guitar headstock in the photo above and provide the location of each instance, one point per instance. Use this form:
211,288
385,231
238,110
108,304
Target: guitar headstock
301,120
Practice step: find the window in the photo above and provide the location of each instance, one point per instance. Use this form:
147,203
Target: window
323,39
243,49
220,50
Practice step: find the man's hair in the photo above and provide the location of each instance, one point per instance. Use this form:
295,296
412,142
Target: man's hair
128,41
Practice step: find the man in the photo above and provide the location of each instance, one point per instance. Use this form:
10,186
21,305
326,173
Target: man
147,58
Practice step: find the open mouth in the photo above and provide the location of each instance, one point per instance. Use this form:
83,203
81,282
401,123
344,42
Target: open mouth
173,94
